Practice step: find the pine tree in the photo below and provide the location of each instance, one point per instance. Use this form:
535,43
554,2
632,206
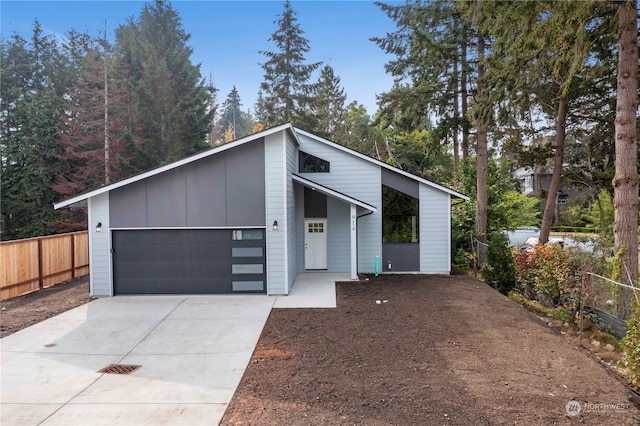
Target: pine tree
330,104
539,49
430,71
170,102
214,130
287,93
34,74
233,116
92,131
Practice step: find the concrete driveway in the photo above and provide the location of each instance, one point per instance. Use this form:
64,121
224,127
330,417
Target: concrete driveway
192,350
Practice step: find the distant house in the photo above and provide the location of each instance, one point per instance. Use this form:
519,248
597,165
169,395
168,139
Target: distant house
536,183
249,215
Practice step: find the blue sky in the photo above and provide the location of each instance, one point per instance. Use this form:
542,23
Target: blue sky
226,36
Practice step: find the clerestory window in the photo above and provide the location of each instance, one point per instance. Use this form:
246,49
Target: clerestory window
308,163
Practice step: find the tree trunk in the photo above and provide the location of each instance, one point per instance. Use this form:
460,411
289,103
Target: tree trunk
481,154
554,186
456,117
625,182
464,94
107,166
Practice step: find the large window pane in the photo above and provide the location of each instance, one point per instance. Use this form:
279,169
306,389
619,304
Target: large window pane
400,213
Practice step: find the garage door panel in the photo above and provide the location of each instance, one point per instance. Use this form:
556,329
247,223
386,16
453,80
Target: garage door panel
159,270
197,286
186,262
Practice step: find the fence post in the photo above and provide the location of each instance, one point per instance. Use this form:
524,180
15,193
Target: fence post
73,255
40,272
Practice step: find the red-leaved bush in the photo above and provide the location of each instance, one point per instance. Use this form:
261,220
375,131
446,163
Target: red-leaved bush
550,274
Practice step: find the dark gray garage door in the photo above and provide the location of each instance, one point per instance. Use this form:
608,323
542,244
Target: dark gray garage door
189,261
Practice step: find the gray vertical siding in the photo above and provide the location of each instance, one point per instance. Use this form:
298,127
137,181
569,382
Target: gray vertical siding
360,179
128,206
207,192
167,199
435,230
275,173
223,190
245,191
99,246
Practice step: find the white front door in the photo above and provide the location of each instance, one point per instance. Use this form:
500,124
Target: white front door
315,244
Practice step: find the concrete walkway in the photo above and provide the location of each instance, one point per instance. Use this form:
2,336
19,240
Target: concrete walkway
192,350
312,290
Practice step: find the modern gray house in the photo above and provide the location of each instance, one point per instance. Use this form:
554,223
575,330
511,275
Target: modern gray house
250,215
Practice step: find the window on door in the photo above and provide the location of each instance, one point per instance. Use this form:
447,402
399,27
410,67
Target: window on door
316,228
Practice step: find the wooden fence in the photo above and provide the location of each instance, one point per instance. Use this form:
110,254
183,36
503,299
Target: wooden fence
33,263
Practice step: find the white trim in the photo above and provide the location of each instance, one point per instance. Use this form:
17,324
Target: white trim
449,232
335,194
285,214
91,229
175,164
381,164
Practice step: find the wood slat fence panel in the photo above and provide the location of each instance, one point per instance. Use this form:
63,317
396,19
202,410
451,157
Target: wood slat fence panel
34,263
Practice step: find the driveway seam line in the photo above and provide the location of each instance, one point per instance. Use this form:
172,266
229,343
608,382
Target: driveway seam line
119,361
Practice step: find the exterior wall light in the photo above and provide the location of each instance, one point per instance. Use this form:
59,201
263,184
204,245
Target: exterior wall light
99,227
275,225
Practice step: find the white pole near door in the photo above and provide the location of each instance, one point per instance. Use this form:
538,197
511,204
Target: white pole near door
354,241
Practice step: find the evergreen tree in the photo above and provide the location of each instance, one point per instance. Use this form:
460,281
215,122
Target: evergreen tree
430,71
330,104
537,53
233,117
500,269
170,102
34,75
287,93
92,131
214,126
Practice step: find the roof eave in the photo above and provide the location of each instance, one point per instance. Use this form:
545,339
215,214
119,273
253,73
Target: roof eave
332,192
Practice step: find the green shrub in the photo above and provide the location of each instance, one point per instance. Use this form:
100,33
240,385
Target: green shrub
462,259
499,271
631,345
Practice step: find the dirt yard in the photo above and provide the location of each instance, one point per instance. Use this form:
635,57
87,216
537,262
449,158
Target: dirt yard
434,350
31,308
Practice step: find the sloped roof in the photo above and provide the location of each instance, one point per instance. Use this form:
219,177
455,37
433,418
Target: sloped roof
382,164
80,199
